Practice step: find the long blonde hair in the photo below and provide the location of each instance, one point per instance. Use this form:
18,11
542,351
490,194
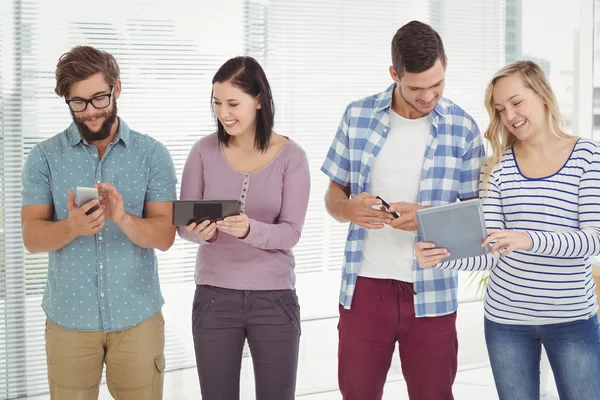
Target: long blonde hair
500,139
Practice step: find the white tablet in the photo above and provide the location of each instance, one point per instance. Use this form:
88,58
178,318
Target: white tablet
458,227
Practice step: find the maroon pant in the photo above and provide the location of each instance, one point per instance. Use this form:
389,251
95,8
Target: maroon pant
382,314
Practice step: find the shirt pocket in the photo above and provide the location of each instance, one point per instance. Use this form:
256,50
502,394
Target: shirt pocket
133,189
443,175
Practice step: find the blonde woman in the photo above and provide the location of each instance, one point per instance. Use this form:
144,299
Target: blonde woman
541,196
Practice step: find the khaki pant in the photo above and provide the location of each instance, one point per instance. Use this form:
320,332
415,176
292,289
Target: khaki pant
134,358
596,274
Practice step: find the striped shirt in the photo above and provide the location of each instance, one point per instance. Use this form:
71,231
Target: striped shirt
552,282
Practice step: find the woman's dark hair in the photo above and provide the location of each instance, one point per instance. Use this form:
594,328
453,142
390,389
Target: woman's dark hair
246,73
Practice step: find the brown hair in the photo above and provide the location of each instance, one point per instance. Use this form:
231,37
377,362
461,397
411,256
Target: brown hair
82,62
416,47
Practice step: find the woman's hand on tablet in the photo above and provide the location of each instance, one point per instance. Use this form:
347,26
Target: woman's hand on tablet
427,255
507,240
205,230
236,225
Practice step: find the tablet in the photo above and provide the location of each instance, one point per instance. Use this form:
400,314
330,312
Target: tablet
458,227
187,211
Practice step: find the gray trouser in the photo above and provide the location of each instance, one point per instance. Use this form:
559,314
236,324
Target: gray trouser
222,319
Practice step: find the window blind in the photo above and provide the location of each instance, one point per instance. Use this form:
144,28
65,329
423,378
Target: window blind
168,53
318,56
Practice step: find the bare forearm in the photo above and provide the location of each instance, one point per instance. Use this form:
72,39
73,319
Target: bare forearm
150,233
43,236
334,200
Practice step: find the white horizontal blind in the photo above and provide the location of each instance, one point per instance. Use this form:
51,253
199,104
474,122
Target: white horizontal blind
168,53
12,273
319,56
473,33
4,15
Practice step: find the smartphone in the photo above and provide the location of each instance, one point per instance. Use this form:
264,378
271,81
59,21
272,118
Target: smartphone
84,195
387,207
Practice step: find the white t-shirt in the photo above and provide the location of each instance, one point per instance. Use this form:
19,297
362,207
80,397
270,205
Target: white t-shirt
396,176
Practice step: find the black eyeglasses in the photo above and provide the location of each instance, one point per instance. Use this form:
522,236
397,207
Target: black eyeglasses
98,102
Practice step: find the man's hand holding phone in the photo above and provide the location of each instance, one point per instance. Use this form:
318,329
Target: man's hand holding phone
405,214
86,220
359,210
407,220
386,207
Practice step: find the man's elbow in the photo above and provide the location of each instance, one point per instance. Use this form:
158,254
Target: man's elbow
28,242
31,246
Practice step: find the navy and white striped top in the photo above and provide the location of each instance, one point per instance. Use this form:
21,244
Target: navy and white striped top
552,282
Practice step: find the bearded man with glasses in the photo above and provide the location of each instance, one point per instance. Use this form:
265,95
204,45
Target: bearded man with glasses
102,298
100,101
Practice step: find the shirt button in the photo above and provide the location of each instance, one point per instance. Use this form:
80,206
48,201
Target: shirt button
101,294
101,266
97,181
100,238
95,155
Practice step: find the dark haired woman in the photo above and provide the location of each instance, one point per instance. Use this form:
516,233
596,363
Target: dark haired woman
245,266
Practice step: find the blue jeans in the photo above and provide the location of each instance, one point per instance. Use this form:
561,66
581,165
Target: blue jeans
573,349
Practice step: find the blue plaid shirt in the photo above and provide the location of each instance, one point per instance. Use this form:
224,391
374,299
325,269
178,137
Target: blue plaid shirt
451,169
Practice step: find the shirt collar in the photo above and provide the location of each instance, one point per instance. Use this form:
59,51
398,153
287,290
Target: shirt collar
123,134
384,103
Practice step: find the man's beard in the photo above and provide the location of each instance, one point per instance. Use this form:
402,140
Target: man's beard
415,106
104,132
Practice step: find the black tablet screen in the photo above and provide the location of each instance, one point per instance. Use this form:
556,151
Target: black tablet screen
212,211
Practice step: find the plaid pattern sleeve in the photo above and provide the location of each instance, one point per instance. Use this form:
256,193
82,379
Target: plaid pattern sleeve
472,161
451,170
337,162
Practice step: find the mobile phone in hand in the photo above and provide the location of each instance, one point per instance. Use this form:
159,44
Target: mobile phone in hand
85,195
387,207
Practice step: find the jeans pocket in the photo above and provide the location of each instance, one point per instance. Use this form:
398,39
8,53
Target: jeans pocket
159,377
203,304
46,328
290,311
291,300
160,318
